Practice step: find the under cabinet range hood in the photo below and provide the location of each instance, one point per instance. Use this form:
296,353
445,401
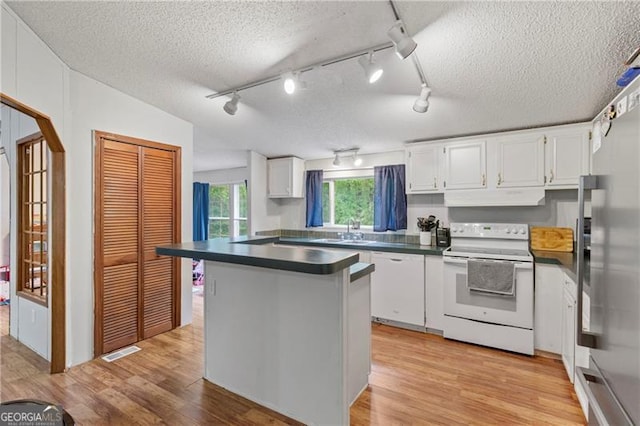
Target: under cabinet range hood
494,197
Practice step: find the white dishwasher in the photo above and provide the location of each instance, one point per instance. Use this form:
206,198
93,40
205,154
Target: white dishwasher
397,289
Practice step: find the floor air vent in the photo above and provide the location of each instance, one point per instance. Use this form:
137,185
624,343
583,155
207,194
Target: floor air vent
121,353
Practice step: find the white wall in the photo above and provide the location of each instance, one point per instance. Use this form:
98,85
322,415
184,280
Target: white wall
35,76
96,106
77,104
264,213
222,177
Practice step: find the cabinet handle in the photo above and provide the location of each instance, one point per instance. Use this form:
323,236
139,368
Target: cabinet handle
395,260
550,176
484,180
435,182
499,178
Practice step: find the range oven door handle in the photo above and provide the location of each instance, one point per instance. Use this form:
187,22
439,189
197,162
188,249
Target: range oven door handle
463,261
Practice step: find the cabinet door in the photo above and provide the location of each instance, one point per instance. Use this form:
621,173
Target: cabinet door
434,292
548,308
397,288
520,161
568,334
159,228
466,165
567,156
280,173
423,169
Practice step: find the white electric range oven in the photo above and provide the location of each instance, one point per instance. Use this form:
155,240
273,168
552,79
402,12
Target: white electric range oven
488,286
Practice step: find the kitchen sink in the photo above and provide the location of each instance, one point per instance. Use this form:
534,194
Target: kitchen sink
340,241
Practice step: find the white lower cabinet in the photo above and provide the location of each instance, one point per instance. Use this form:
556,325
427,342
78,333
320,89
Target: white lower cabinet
434,292
548,308
569,333
397,288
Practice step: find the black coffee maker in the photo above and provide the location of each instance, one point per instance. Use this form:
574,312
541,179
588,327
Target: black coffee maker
443,237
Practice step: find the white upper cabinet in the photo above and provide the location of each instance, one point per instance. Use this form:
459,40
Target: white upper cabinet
466,165
286,177
567,156
520,161
423,169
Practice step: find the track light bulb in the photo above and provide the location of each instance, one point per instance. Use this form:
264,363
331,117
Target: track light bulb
422,103
289,83
405,45
357,161
232,106
371,70
336,161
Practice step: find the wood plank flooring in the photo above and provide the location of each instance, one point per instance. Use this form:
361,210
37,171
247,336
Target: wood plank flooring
416,379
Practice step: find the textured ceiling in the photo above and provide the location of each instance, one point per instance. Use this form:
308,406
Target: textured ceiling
491,66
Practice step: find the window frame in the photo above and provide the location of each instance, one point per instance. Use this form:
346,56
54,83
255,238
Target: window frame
234,218
332,199
26,204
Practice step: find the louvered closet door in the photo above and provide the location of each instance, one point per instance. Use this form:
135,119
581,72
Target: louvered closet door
120,245
158,199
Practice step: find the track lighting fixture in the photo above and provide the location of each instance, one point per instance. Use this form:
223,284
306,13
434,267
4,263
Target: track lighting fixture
405,45
232,106
292,81
357,161
289,83
371,70
422,103
353,153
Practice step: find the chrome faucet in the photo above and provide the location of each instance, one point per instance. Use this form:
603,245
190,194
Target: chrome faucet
353,224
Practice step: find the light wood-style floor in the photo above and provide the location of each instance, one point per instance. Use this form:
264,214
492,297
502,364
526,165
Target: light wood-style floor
416,379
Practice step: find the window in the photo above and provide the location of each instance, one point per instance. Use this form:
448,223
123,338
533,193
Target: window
32,218
227,210
344,199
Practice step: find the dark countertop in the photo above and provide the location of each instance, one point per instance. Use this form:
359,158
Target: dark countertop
568,261
372,246
258,251
360,270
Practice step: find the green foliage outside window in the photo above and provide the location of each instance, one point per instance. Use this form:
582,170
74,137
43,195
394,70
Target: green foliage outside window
326,205
220,214
353,200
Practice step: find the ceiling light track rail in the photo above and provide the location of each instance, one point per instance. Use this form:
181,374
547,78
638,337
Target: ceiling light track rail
416,61
278,77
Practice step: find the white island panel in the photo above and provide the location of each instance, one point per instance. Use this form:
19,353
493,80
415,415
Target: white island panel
279,338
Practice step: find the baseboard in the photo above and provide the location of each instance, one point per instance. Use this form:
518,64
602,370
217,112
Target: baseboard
545,354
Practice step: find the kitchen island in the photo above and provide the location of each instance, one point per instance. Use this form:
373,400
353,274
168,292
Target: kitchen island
288,328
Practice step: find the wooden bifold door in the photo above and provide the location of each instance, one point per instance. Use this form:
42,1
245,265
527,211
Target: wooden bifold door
137,196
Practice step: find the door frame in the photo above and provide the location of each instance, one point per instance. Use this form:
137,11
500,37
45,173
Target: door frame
98,137
58,231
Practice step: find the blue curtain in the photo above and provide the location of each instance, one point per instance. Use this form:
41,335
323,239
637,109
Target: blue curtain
390,199
314,198
200,211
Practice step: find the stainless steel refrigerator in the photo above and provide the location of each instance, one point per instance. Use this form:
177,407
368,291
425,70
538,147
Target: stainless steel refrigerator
611,274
